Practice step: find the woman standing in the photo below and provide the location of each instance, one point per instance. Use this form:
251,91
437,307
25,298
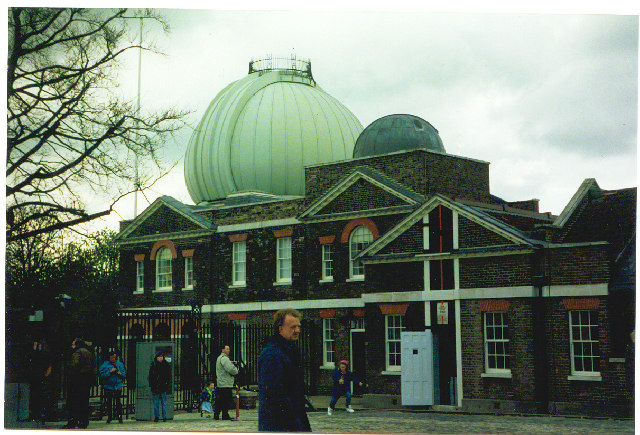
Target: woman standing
112,372
160,383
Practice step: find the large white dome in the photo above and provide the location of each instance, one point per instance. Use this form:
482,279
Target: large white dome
259,133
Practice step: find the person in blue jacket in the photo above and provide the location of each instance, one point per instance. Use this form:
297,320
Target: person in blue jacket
342,379
112,372
281,389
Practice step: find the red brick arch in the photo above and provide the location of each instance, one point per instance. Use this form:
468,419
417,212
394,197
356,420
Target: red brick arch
356,223
161,244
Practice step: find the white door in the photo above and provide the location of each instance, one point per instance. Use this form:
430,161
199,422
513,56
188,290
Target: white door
416,359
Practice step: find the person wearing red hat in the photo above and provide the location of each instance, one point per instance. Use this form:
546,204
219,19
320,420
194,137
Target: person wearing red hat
342,379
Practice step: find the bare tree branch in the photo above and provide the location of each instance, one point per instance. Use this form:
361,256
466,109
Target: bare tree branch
68,132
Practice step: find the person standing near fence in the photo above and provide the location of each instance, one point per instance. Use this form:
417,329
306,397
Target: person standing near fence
281,389
225,372
160,383
112,372
82,374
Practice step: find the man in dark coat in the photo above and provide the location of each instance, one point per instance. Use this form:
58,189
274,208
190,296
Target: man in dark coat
160,384
82,374
280,378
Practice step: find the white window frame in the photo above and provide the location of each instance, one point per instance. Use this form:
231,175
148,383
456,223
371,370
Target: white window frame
188,273
580,333
359,239
392,328
496,336
328,343
327,263
283,260
239,264
164,278
139,277
243,339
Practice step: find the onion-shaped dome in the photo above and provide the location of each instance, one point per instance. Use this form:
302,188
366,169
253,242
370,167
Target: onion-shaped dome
259,132
393,133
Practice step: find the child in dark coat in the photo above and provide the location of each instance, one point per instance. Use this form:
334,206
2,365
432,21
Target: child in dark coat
342,379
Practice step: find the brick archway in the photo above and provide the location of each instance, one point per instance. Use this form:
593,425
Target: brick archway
356,223
162,244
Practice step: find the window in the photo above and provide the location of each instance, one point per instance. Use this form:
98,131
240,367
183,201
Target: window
496,343
327,263
583,340
393,327
328,351
163,269
188,273
358,323
242,329
283,260
239,268
140,276
359,239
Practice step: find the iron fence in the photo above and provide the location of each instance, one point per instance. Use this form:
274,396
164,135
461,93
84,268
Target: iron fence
198,342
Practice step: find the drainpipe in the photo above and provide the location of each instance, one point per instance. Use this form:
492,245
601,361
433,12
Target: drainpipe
541,362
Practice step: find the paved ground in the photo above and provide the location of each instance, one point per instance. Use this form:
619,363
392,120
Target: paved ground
383,421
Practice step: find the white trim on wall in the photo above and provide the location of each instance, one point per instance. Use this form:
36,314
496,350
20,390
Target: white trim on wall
256,225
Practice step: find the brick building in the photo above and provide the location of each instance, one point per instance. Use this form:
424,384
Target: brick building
529,312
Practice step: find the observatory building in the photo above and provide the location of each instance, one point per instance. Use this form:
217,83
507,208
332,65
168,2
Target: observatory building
378,235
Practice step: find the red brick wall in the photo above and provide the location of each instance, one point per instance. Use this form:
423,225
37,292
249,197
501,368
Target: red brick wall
472,235
521,385
501,271
362,195
578,265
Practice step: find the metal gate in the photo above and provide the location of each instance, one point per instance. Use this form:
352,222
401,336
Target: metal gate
198,342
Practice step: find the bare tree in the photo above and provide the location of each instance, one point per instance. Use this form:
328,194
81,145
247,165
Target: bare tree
69,134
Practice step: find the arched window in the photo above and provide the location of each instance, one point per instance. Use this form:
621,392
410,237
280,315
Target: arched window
359,239
163,269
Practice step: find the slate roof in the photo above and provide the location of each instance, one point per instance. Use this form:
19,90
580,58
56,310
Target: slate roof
609,217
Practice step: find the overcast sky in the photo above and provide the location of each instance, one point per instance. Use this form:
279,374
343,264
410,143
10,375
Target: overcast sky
548,100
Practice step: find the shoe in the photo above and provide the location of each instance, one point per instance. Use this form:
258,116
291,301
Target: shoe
349,409
108,421
155,420
164,420
226,417
216,417
120,420
69,426
329,411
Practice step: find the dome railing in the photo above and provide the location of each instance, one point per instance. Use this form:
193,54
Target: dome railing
299,67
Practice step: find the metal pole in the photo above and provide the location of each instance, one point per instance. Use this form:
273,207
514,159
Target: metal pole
137,179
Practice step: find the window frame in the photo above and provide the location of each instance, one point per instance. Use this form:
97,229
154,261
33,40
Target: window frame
397,341
572,341
503,342
161,262
139,277
242,325
361,232
328,340
327,262
284,261
188,273
236,261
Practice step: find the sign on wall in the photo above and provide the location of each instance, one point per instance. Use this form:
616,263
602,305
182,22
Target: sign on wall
442,309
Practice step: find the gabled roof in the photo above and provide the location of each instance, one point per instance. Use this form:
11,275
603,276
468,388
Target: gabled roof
184,210
588,185
467,211
364,173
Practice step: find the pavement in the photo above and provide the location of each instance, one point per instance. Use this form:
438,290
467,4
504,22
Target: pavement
380,421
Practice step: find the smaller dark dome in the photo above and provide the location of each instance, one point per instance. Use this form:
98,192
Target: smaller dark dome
393,133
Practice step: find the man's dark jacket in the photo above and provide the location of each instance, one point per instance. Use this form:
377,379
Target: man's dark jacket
160,377
281,388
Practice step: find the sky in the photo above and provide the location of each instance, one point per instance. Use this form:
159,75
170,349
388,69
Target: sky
548,99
